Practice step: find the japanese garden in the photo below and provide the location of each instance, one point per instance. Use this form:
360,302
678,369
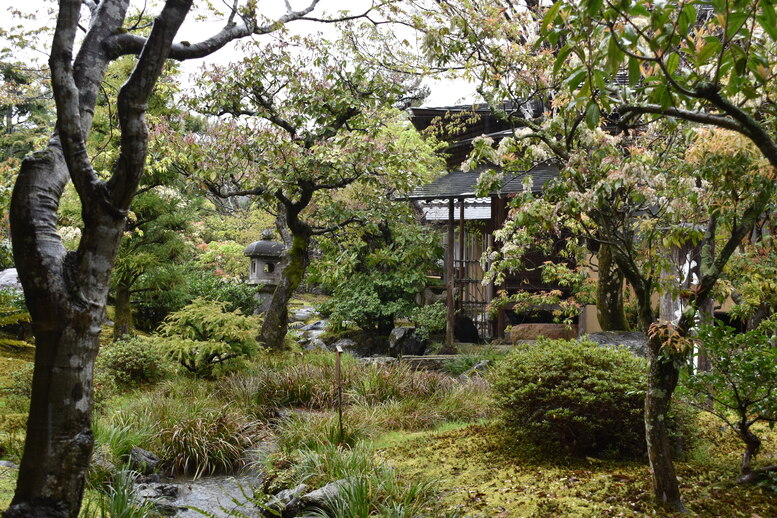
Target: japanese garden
390,258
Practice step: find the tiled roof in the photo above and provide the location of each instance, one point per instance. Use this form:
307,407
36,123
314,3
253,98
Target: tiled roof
461,184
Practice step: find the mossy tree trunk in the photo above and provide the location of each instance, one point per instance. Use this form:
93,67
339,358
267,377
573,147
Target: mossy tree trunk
296,235
609,292
662,381
122,319
276,318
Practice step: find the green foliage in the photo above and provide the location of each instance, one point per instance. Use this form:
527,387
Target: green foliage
205,334
741,387
769,483
20,387
310,383
429,320
118,499
27,108
13,314
183,421
154,305
371,488
463,362
375,280
117,438
224,258
130,362
576,396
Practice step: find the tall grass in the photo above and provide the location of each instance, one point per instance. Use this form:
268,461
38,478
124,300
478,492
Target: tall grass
367,487
198,427
181,421
118,500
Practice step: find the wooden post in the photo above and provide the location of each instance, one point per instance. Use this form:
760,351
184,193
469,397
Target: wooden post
462,264
500,318
449,274
491,289
339,380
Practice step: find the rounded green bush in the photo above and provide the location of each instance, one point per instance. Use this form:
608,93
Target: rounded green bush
130,362
577,396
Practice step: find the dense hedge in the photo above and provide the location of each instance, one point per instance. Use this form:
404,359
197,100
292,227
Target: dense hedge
577,396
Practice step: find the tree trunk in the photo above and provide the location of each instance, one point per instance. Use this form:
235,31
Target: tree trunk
609,292
662,380
66,297
276,318
122,319
752,446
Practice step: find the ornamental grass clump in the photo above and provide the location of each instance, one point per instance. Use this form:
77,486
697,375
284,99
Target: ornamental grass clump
207,444
367,487
579,397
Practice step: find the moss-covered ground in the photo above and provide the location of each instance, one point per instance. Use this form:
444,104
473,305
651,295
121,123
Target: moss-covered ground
12,359
483,472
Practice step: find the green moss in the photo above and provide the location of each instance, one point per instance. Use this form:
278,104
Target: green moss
484,473
7,486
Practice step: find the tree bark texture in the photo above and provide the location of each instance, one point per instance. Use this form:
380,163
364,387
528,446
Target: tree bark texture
662,380
276,319
66,292
609,292
122,318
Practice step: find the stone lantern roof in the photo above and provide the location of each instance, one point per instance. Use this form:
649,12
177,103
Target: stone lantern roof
265,247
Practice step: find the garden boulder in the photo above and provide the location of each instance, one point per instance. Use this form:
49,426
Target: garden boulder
635,342
403,340
143,461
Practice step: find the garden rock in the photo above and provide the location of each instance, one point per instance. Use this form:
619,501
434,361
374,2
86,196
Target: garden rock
166,490
635,342
9,279
304,314
464,330
535,331
315,344
142,461
323,496
318,325
8,464
348,346
403,340
286,503
101,460
476,370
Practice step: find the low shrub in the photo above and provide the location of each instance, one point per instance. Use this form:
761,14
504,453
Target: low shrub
429,320
205,334
118,499
130,362
577,396
309,430
309,382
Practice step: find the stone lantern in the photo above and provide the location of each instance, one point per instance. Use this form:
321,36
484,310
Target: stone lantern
266,267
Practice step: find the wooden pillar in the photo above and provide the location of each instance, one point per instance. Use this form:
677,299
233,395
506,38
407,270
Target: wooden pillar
462,263
501,323
491,288
449,277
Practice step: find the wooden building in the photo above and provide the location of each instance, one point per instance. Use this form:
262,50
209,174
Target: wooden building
470,221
